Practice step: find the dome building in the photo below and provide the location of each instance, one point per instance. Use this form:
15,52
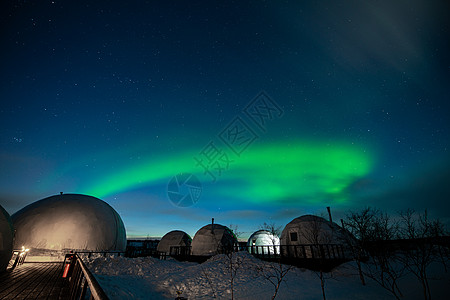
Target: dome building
308,235
175,238
263,242
310,229
69,222
6,239
213,239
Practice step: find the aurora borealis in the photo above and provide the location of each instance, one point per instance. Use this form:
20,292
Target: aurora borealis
114,98
301,171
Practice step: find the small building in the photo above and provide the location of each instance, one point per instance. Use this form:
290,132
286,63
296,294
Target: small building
69,222
176,239
6,239
213,239
311,236
263,242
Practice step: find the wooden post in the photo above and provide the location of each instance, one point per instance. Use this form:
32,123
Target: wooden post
329,214
321,251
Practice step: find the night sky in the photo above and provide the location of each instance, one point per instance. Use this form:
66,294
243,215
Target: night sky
277,108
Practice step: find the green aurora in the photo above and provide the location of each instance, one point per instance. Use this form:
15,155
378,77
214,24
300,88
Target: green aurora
295,173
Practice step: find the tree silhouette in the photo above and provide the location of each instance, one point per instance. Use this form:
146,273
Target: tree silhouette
372,229
423,247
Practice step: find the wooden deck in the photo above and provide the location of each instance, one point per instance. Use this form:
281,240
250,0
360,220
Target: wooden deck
40,280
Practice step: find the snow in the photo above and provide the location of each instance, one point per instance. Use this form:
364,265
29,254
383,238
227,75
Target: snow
150,278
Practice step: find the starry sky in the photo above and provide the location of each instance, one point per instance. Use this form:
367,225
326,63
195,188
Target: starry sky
268,109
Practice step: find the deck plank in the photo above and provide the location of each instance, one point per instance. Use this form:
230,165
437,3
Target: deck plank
33,281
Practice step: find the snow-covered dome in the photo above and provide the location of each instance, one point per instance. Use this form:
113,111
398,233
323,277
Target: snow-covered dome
309,229
173,238
213,239
69,221
6,239
263,242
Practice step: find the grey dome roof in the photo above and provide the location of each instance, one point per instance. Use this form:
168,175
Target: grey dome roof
213,239
173,238
310,229
69,221
6,238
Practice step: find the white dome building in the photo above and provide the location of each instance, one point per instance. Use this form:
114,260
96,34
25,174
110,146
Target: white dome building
313,231
69,222
175,238
6,239
263,242
213,239
310,229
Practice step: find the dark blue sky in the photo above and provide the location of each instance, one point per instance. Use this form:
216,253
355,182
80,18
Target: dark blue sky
113,98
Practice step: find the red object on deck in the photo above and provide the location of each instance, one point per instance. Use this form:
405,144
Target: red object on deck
66,270
67,266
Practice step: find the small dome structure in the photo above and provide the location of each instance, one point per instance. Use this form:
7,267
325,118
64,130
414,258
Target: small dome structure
175,238
310,229
69,221
6,239
263,242
213,239
316,243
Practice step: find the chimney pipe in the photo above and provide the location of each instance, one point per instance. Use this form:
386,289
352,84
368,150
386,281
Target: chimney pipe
212,225
329,214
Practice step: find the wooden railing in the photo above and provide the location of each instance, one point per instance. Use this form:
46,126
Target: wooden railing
102,253
314,251
81,279
304,251
141,252
17,258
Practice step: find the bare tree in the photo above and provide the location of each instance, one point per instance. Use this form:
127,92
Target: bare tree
384,265
383,268
272,228
423,245
372,229
360,225
206,275
234,263
235,229
317,233
275,231
275,273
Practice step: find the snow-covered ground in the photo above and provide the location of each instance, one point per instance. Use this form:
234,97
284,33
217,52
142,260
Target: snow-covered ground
150,278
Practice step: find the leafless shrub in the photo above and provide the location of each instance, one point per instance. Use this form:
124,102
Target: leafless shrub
424,246
372,229
275,273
